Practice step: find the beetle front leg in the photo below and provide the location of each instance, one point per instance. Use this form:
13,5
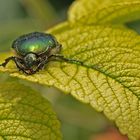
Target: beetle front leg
17,61
7,61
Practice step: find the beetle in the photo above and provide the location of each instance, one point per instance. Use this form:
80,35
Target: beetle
34,50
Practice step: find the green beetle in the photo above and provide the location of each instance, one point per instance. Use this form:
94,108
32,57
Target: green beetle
34,50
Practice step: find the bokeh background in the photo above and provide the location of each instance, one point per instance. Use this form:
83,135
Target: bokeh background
21,16
79,121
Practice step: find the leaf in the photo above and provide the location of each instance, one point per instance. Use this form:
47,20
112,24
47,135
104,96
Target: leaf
109,80
25,115
104,11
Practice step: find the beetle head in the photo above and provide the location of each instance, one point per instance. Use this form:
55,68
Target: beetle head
30,60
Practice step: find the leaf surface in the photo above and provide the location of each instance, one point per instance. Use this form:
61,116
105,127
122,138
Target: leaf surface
109,79
104,11
25,115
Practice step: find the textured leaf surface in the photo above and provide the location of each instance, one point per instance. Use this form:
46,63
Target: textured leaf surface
109,79
104,11
25,115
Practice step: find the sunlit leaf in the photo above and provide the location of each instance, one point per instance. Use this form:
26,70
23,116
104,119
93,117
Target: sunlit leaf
104,11
25,115
109,79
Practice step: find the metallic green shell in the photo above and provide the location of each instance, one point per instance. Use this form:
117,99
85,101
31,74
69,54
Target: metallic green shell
35,42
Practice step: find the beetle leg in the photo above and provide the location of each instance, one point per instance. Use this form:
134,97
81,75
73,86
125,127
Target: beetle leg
40,65
7,61
15,59
62,58
22,68
58,57
18,62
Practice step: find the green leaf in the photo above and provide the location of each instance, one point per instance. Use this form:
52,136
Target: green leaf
104,11
25,115
109,80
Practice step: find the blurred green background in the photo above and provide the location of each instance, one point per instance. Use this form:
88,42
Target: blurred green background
22,16
79,121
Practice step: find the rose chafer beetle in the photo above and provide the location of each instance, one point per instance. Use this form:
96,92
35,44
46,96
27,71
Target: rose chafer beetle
34,50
